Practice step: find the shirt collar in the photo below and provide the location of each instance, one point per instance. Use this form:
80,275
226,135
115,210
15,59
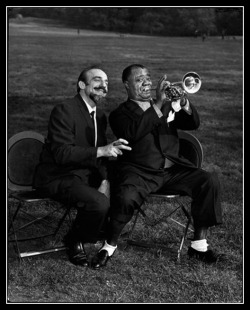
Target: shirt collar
90,109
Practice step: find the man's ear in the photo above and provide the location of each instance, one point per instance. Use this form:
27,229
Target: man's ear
126,85
81,84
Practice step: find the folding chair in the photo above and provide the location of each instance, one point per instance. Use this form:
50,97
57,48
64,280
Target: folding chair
190,148
35,218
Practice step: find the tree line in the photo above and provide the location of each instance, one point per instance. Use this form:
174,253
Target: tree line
165,21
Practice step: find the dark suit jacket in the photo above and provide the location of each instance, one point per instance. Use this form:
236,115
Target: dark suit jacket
69,148
152,139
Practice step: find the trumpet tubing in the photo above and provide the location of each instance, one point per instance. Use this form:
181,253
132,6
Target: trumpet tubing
191,83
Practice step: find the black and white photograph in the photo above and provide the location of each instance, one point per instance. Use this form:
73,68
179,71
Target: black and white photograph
124,155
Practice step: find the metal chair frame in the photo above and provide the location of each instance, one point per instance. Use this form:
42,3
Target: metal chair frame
170,198
23,192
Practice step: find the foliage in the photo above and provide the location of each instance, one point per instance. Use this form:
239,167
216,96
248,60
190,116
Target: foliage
168,21
229,19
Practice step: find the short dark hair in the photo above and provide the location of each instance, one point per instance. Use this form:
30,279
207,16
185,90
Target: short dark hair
83,75
127,71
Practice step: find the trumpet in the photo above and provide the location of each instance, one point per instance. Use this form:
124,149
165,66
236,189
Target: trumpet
191,83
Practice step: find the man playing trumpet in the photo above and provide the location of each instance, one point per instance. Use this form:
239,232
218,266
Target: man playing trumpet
150,126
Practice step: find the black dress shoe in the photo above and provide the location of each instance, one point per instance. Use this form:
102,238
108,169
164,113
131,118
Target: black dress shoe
100,259
77,254
207,257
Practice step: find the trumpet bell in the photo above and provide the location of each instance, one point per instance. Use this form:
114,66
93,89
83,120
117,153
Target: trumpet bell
191,82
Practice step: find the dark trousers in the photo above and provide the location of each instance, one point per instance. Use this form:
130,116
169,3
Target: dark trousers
135,184
92,206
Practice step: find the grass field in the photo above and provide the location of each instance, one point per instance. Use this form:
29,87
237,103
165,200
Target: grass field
44,61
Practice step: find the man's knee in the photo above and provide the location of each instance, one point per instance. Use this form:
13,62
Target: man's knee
98,203
212,180
103,204
128,197
124,203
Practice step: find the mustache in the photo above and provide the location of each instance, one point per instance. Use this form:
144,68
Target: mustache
103,88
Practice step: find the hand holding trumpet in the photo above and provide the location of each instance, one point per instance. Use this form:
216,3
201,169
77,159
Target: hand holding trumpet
169,92
160,91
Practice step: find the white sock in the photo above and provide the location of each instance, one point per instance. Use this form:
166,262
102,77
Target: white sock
199,245
109,248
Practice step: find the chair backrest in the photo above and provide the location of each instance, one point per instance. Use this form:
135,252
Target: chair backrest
191,148
24,149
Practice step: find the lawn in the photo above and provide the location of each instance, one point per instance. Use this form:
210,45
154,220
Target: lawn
44,61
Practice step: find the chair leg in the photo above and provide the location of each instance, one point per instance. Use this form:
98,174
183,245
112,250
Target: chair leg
66,213
51,250
129,238
142,244
33,253
14,215
13,231
62,220
12,226
130,241
185,232
15,239
183,239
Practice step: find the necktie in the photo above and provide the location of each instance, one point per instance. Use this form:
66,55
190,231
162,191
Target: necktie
93,120
92,114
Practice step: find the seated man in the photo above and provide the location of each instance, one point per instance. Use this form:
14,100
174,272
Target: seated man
150,127
73,165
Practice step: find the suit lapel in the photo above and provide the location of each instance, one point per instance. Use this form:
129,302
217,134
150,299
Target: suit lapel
84,110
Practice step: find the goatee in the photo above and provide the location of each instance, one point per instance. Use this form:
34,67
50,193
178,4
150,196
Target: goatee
98,99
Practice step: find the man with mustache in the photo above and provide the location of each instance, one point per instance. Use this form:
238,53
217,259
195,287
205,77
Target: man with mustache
73,164
151,128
